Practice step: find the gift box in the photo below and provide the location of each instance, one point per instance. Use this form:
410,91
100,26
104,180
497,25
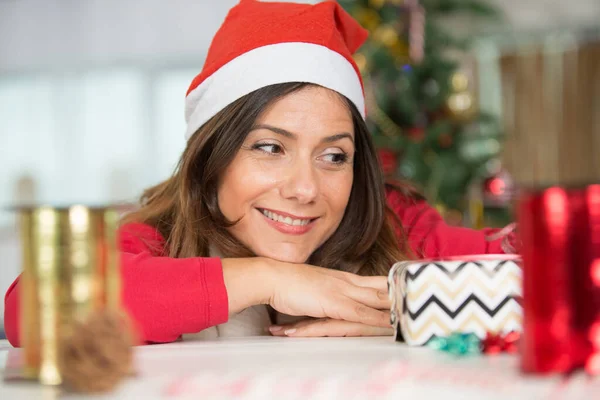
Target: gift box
435,298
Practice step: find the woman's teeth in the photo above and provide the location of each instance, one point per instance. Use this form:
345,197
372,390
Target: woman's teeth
285,220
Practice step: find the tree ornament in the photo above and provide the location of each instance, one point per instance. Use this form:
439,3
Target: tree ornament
386,35
388,160
461,106
368,18
416,134
399,51
459,82
376,3
461,103
498,190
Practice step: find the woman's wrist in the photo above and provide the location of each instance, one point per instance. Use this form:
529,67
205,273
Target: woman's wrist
247,281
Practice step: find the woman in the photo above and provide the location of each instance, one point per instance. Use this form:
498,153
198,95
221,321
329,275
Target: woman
278,199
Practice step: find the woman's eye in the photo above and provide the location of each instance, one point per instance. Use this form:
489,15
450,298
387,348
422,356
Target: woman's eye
269,148
336,158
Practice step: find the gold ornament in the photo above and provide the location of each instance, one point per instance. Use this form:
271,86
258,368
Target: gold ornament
376,3
368,18
386,35
361,62
400,51
461,106
402,60
459,82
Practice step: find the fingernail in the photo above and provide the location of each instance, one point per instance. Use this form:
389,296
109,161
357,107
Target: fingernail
290,332
275,328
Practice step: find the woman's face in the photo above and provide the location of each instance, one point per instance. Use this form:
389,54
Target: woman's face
290,182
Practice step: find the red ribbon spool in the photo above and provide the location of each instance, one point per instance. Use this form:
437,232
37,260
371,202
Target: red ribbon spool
560,232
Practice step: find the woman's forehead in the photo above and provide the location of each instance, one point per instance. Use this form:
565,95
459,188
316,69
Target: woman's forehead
309,109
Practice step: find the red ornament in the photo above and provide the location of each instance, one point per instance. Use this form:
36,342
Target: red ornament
560,233
388,160
416,134
498,190
496,343
496,186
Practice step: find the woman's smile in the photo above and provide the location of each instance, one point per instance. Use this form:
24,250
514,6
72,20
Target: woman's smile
288,223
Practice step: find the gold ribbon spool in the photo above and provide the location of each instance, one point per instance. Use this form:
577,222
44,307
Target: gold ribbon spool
70,270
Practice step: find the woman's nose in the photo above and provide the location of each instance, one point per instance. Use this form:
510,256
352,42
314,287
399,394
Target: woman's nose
301,183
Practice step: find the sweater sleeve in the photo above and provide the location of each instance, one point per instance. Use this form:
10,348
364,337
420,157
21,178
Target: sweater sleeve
429,236
166,297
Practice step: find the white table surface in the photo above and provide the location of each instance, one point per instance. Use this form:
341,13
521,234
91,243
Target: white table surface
323,368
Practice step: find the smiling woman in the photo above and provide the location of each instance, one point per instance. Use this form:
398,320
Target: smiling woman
294,173
278,206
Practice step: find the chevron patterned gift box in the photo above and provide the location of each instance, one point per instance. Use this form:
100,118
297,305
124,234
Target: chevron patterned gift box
475,294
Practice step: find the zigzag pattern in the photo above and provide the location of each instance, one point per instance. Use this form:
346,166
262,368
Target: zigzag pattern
467,270
454,292
459,296
454,268
434,312
453,313
512,321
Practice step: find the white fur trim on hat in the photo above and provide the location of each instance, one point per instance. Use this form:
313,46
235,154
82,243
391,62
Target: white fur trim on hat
269,65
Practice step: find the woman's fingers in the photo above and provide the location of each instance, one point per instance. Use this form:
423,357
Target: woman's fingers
280,330
370,297
375,282
354,311
329,327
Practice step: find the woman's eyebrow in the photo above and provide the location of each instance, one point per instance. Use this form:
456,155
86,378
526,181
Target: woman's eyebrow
288,134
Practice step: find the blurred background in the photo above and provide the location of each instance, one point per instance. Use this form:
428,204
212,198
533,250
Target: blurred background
92,94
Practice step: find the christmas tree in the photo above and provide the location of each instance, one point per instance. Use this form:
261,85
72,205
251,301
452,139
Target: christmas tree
422,107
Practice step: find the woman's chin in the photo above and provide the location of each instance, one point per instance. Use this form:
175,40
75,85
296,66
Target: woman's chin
289,257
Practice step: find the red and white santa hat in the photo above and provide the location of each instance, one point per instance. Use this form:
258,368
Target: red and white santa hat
265,43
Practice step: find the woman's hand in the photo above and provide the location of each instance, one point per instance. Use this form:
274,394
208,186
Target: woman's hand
298,289
329,327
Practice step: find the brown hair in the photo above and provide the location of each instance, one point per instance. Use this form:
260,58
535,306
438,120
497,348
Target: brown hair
185,209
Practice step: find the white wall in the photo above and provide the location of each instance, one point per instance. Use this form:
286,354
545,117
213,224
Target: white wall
58,33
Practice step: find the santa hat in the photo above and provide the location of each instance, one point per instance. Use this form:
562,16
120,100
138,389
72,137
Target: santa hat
266,43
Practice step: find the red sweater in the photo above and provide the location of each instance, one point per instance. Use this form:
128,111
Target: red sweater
168,297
